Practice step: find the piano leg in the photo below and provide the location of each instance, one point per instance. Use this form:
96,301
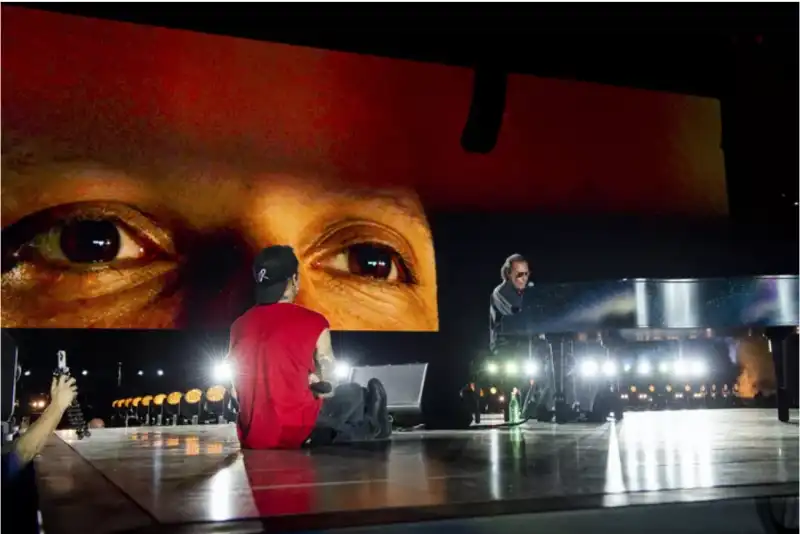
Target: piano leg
563,413
779,339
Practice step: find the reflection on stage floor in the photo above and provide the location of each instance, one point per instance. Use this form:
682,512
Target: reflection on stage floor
197,473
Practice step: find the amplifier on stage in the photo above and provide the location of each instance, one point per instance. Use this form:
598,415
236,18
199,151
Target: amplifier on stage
403,383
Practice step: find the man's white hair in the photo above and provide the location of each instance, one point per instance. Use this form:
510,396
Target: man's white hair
511,260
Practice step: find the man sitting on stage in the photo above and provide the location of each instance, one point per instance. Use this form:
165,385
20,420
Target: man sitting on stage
284,370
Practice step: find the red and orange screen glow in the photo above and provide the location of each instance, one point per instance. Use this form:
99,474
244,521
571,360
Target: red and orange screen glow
143,168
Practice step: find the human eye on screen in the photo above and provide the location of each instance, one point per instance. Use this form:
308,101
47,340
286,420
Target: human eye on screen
366,251
75,243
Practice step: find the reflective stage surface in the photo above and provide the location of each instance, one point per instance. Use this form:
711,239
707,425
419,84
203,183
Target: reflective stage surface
124,479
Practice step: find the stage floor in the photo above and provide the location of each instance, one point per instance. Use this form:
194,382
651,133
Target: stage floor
128,479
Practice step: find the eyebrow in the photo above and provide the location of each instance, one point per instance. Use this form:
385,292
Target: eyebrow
25,192
20,153
398,199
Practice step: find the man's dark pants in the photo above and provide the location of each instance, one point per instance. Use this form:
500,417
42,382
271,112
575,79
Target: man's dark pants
346,417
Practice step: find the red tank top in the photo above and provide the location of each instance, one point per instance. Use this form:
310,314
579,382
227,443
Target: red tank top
272,352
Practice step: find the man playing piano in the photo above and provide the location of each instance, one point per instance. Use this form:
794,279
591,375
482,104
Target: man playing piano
506,298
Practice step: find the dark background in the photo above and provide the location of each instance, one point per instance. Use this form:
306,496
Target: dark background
743,54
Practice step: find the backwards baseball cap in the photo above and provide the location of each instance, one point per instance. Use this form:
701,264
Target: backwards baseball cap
272,268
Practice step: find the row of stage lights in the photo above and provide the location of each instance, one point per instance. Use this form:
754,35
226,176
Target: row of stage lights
222,372
669,388
529,369
591,367
651,390
686,393
193,396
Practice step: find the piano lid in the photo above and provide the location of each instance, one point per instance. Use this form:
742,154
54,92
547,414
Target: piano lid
657,304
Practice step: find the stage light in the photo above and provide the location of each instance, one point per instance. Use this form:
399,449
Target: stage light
642,396
624,396
140,373
84,372
223,371
160,372
643,368
679,395
698,368
27,373
215,394
511,368
626,367
681,368
609,368
493,390
531,368
491,368
589,368
663,367
501,398
193,396
342,371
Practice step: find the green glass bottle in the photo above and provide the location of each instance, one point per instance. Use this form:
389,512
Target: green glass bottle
513,409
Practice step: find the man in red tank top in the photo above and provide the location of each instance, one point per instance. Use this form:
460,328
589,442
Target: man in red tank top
278,349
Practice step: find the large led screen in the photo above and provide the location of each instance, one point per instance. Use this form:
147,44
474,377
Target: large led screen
142,169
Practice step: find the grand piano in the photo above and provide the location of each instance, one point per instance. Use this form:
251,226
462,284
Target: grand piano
628,311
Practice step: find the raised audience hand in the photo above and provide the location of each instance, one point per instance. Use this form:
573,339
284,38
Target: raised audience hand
63,391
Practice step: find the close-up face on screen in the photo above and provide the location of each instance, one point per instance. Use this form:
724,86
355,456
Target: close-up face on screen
143,168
